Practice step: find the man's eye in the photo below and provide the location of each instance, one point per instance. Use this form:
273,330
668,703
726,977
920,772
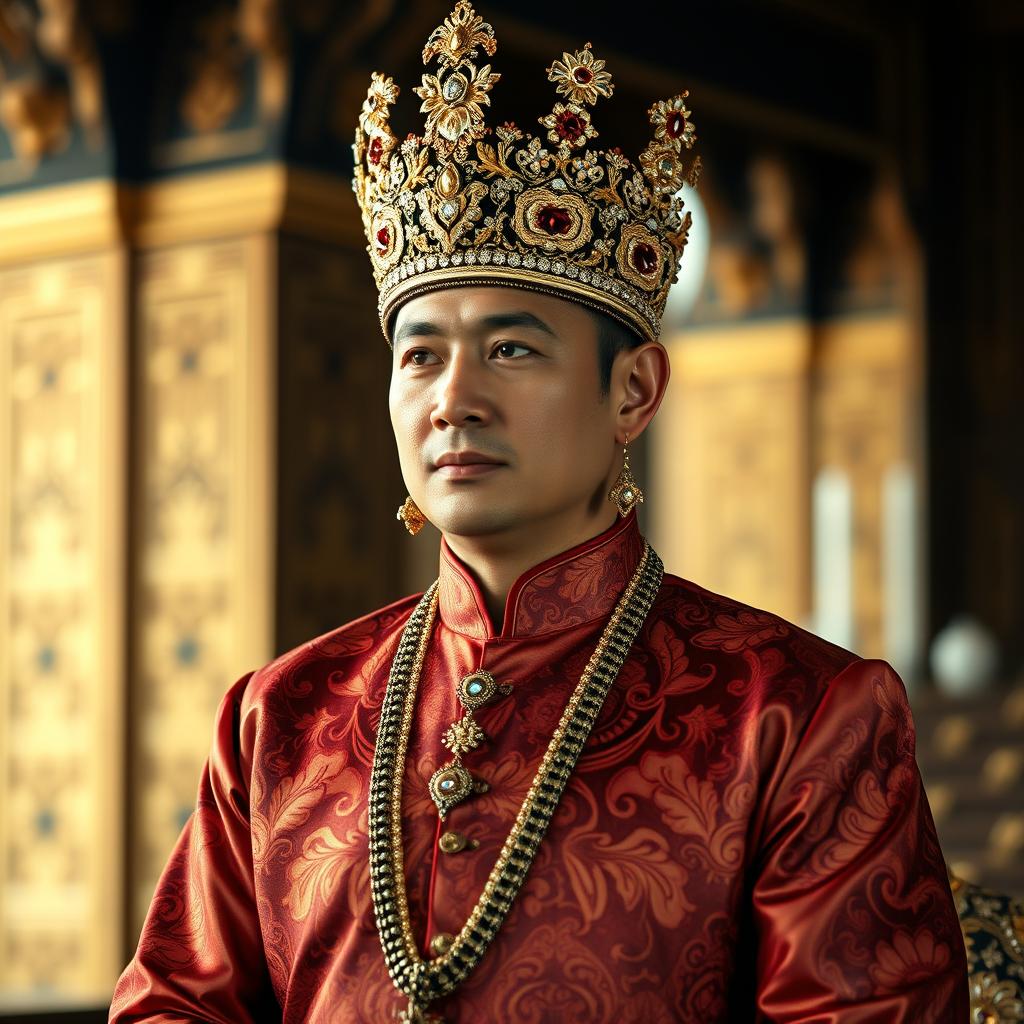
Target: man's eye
506,348
418,356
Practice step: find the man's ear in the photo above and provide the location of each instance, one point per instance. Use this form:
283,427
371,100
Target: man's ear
639,378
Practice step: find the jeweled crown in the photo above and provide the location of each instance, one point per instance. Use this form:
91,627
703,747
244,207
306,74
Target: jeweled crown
463,204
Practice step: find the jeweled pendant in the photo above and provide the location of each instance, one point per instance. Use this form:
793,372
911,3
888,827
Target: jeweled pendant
626,493
480,687
450,785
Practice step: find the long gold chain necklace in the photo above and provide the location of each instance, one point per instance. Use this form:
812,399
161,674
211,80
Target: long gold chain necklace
422,981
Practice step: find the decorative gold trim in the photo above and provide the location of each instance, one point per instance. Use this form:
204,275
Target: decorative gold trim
528,203
386,251
632,236
265,197
62,220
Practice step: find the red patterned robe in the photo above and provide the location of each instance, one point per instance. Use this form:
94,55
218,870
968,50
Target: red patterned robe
745,837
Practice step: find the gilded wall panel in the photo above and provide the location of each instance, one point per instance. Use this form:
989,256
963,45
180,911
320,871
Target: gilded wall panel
865,424
729,455
61,670
202,544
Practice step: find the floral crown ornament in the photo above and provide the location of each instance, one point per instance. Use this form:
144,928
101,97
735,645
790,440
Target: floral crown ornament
467,204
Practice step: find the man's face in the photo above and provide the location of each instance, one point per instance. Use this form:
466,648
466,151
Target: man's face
512,376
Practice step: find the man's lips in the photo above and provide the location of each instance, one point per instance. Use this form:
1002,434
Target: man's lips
466,458
457,465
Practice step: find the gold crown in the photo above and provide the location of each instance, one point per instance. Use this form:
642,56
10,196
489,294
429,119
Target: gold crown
454,207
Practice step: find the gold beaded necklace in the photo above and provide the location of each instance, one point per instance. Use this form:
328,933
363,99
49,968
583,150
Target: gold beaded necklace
421,981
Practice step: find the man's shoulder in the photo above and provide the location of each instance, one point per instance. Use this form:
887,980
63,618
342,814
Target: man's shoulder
719,626
721,652
351,642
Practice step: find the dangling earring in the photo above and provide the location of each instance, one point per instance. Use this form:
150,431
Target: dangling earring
626,493
413,518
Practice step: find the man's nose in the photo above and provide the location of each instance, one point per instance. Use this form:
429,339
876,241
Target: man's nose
461,395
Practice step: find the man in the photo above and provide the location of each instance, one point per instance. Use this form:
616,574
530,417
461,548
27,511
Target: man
560,785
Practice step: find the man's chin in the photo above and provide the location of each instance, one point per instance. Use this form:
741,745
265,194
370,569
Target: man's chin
467,517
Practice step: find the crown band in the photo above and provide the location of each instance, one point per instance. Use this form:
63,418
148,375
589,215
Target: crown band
552,277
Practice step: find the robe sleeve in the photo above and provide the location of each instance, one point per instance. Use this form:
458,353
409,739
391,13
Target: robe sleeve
854,915
200,956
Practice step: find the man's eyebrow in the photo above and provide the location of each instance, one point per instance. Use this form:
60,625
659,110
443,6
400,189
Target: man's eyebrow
417,329
522,319
495,321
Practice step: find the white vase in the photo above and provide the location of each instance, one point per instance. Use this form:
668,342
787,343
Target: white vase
964,658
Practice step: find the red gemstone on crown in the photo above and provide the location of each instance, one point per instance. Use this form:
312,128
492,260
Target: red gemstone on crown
583,75
675,125
376,150
383,238
570,126
644,258
554,220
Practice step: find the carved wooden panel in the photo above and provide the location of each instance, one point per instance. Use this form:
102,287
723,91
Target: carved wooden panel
729,460
61,671
204,420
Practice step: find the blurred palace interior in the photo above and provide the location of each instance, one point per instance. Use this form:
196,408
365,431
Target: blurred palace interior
196,463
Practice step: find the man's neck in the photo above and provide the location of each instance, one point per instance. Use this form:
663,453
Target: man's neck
498,560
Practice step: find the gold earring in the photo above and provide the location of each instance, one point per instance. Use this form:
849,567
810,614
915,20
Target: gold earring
626,493
413,518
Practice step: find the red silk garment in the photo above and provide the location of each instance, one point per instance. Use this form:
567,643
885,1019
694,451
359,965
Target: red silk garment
745,837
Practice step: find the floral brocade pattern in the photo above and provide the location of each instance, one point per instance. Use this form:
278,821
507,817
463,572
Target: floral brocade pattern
745,836
570,589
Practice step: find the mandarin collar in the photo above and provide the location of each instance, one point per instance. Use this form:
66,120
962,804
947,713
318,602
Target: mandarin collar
580,584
